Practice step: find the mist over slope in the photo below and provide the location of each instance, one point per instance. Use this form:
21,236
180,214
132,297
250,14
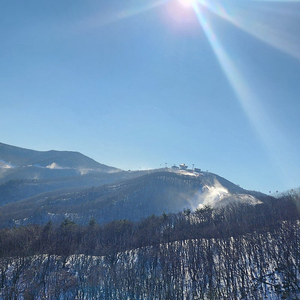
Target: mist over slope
132,199
20,163
20,189
155,234
41,186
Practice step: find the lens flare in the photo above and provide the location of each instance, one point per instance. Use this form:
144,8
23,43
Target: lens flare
187,3
256,23
263,126
101,20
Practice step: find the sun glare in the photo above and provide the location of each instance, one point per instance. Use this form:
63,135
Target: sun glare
258,117
187,3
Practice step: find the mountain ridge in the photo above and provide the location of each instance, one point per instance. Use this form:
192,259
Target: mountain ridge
18,156
21,163
132,199
54,185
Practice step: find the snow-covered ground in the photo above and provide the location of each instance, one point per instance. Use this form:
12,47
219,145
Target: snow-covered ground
254,266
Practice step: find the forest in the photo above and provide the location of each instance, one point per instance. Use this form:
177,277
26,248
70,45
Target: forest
239,251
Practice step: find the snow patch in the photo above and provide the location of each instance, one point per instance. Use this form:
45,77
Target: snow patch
188,173
54,166
249,199
5,165
217,195
84,171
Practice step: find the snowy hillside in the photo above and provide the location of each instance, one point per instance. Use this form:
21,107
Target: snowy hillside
133,199
254,266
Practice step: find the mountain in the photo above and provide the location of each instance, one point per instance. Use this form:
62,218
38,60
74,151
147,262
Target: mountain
132,199
156,234
39,186
20,189
20,163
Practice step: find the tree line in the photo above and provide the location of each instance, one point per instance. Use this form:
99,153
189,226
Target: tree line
234,252
257,265
70,238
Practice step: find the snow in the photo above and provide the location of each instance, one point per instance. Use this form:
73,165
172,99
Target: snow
54,166
5,165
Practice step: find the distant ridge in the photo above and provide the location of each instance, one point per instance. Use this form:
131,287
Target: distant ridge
20,163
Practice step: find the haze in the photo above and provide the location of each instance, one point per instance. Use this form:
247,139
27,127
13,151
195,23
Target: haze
137,84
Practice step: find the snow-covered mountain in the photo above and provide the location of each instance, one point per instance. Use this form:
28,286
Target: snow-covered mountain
40,186
20,163
157,234
132,199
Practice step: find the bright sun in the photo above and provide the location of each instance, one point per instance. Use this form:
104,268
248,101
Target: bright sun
187,3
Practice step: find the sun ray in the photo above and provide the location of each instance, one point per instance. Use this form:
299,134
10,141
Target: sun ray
138,10
253,109
251,21
102,20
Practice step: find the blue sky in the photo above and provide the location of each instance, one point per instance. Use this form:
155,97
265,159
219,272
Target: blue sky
137,83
